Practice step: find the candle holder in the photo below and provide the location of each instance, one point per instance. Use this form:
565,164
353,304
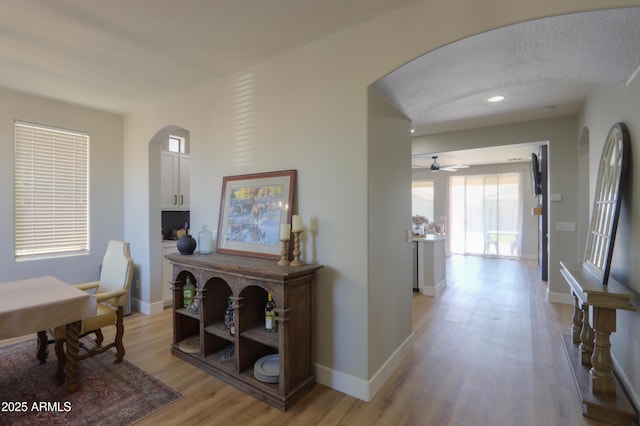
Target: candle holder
296,249
284,253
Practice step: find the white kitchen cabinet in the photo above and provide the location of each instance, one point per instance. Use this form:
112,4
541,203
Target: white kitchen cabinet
184,173
168,247
175,171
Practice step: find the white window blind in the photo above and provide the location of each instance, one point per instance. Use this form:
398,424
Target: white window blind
51,192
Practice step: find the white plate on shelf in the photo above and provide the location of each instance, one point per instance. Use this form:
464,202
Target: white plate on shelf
267,368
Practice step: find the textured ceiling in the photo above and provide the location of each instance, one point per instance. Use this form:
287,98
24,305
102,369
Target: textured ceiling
550,62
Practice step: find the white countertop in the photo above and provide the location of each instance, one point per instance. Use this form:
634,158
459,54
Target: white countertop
430,237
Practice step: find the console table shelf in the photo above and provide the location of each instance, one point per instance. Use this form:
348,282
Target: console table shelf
247,282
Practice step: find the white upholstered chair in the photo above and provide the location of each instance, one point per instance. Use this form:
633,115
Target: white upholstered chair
111,292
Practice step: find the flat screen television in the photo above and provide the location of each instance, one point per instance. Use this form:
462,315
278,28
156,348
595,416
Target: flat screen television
536,175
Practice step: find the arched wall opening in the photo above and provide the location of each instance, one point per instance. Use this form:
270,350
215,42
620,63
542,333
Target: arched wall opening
152,302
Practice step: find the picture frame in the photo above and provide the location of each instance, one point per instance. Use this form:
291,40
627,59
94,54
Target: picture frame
252,208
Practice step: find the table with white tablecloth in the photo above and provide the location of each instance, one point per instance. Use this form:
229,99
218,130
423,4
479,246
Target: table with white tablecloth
38,304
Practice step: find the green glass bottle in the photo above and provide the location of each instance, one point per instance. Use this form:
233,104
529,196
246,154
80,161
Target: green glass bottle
270,315
188,292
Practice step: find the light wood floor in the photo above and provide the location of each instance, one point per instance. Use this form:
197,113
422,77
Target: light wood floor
487,351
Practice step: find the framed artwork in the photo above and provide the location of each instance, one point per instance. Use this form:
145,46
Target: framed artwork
252,208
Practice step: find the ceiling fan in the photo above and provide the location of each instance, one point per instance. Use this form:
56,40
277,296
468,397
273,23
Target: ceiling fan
436,167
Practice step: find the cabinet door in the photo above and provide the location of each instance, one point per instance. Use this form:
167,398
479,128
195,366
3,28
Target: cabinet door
184,181
169,176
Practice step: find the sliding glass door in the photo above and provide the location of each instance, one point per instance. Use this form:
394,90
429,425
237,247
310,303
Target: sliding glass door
485,214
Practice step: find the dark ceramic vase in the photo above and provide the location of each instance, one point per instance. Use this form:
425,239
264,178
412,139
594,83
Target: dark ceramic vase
186,244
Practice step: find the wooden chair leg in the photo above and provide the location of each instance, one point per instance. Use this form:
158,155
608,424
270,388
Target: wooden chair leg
42,346
62,360
99,338
119,334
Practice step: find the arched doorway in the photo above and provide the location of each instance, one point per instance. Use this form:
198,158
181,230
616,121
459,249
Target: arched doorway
158,144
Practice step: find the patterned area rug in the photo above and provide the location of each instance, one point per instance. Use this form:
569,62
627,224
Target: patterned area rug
111,394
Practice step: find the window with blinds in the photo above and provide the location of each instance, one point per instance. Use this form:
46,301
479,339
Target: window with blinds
51,192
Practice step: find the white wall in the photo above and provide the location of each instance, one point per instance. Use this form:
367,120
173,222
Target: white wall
529,222
308,111
389,171
604,107
106,210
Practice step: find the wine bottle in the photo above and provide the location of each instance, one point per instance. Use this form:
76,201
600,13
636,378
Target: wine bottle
270,315
188,292
229,315
232,325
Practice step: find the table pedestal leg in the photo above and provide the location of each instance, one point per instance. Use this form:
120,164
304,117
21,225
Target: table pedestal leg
61,358
72,365
586,337
602,378
577,321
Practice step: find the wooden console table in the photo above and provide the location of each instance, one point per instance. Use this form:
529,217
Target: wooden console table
247,282
589,348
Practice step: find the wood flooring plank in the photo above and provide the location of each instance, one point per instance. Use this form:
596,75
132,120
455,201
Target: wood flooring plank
487,351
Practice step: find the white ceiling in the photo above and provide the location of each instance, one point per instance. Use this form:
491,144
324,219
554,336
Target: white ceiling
517,153
121,55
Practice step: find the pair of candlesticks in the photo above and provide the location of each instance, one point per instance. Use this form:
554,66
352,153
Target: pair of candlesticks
285,231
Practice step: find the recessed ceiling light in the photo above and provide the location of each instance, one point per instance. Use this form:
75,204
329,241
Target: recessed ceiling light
497,98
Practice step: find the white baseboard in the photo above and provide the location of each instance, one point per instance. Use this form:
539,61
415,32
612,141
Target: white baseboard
434,291
147,308
564,298
342,382
359,388
631,393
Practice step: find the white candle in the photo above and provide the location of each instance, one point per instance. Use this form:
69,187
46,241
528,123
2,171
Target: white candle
285,232
297,223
